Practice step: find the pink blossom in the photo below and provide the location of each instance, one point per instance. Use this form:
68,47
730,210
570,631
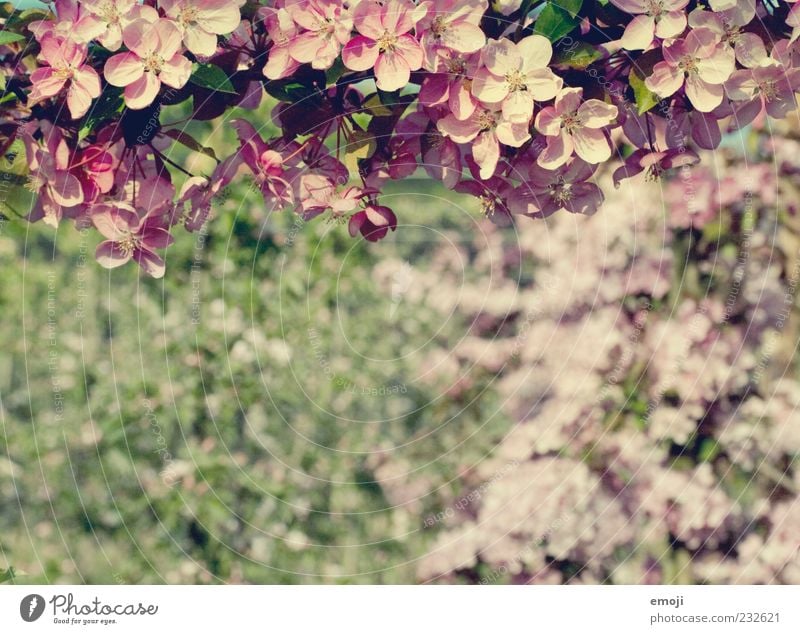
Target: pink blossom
200,21
50,174
451,26
653,163
267,165
373,222
131,236
701,62
71,22
516,75
485,129
154,58
66,68
493,195
112,16
199,193
325,26
574,126
748,47
662,18
282,30
384,42
548,191
318,195
451,84
771,88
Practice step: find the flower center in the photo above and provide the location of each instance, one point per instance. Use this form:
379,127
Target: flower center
486,121
516,80
456,66
653,172
64,72
655,8
688,64
768,89
571,122
188,15
129,244
387,42
488,205
561,192
439,26
110,13
153,63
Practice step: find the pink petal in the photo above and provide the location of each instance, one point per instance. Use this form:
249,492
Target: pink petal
671,24
65,189
559,149
704,96
391,72
597,114
109,255
501,57
199,41
176,72
536,52
591,145
410,50
142,92
360,53
464,38
140,37
489,88
169,38
151,263
123,69
638,34
666,80
486,152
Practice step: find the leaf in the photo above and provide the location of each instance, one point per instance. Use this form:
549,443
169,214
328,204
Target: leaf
558,18
212,77
334,73
109,104
288,90
189,141
645,98
373,105
7,575
9,37
578,57
361,146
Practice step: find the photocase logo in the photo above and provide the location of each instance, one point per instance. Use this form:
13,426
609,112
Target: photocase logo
31,607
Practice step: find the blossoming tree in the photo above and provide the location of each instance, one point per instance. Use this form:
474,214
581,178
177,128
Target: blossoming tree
517,102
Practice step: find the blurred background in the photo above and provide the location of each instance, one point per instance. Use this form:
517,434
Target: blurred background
609,399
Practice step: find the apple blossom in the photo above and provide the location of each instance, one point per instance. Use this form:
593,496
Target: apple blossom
154,57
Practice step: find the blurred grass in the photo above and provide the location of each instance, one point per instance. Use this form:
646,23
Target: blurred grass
227,423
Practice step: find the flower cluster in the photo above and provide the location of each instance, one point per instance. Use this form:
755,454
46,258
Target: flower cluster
656,431
516,101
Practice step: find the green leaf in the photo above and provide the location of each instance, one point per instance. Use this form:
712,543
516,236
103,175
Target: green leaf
645,98
189,141
334,73
9,37
558,18
109,104
212,77
578,57
7,575
288,90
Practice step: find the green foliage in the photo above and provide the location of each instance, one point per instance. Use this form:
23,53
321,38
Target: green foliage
212,77
558,18
222,424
